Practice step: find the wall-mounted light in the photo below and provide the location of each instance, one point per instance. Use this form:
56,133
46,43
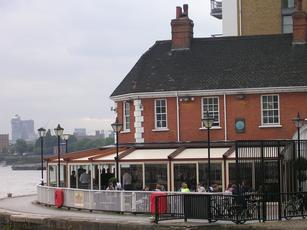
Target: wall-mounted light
240,97
186,99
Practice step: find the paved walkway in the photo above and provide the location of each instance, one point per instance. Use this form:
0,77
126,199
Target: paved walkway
26,207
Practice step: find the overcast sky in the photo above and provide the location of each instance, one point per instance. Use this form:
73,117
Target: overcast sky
61,59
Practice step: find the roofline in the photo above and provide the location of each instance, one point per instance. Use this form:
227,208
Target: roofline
288,89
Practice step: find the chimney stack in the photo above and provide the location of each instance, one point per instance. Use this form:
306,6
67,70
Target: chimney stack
182,29
299,24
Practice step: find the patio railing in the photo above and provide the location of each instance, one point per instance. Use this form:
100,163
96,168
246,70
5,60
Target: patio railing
175,205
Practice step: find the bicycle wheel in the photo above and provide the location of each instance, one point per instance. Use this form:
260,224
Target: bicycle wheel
214,214
290,211
237,215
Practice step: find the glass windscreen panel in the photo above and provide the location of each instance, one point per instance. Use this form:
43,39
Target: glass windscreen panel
156,174
185,173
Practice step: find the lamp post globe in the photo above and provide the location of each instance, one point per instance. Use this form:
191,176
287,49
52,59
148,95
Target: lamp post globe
298,122
42,134
117,127
59,132
66,137
207,122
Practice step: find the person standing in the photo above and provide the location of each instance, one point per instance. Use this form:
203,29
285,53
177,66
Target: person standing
127,180
73,179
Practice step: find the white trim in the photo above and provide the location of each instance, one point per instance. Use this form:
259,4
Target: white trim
160,130
213,127
261,106
155,105
138,121
270,126
126,131
218,110
213,92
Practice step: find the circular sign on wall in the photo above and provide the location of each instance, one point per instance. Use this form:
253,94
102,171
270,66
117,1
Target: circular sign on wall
240,125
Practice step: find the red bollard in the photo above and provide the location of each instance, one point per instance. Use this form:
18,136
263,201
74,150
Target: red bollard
162,205
58,197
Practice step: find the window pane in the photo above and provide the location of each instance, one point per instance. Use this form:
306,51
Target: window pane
211,104
270,109
216,175
161,115
131,176
185,173
156,174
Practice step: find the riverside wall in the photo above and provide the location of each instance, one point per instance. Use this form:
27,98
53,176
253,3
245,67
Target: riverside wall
24,221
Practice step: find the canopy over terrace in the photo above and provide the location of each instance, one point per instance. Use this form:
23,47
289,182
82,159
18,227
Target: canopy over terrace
141,166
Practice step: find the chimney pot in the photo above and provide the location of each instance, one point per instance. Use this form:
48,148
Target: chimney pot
186,9
178,12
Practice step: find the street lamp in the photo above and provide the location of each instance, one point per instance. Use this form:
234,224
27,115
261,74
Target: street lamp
66,137
298,122
59,132
117,127
207,123
42,133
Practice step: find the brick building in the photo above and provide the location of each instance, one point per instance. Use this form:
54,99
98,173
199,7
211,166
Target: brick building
254,17
4,142
253,86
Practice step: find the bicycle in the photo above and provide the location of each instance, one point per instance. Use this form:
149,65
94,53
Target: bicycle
244,209
295,207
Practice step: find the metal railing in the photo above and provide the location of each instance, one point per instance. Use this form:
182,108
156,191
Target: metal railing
100,200
175,205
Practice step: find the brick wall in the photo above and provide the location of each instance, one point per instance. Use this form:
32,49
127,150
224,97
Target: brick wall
248,108
261,17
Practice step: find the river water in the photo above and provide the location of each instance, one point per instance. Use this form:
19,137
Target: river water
18,182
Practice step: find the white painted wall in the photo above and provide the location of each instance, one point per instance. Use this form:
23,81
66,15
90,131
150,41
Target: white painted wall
230,18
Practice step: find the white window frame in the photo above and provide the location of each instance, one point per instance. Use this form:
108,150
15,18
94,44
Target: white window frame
126,128
262,110
217,123
155,108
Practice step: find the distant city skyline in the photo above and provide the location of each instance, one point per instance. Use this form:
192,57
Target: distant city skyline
61,60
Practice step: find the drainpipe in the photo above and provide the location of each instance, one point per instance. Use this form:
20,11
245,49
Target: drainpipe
240,17
178,117
225,117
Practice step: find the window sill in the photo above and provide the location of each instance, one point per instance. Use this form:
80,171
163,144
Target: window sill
213,127
125,131
160,130
270,126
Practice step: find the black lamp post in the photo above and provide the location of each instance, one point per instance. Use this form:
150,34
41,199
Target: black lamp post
207,123
117,127
59,132
298,122
42,133
66,137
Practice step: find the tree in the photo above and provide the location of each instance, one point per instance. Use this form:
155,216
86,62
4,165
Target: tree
21,146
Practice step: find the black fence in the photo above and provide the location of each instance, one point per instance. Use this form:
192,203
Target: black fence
235,208
274,166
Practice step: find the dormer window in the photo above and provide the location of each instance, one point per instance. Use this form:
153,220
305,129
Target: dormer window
160,114
126,112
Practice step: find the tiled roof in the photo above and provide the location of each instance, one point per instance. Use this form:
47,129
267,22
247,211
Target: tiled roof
219,63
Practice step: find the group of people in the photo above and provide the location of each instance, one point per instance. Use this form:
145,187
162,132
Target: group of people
241,189
84,179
